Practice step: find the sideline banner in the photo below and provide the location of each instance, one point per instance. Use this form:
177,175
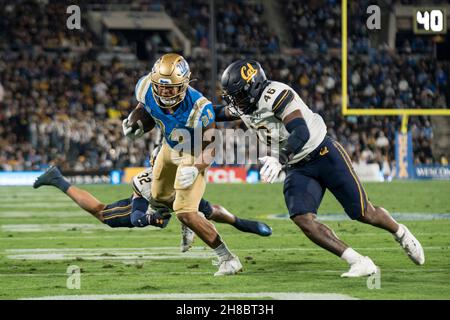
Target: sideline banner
226,175
432,172
214,174
18,178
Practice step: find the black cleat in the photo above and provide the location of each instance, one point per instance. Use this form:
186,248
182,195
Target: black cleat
48,178
251,226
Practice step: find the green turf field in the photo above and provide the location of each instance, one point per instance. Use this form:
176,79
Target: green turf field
42,233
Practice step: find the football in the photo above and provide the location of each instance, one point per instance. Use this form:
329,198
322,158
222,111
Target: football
139,114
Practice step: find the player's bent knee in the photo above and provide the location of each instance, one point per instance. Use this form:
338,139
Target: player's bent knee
304,221
186,217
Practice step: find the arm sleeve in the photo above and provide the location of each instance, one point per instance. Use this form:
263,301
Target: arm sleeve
299,135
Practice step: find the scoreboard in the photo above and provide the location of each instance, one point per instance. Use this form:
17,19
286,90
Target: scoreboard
430,20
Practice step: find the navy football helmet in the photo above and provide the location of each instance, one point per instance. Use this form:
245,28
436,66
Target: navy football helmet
243,82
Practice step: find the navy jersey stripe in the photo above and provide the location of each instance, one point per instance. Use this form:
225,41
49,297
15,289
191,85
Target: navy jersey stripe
283,99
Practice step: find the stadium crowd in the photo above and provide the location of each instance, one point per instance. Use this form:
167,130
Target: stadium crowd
60,105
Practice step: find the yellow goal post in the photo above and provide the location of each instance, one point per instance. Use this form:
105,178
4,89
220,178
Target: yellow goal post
346,111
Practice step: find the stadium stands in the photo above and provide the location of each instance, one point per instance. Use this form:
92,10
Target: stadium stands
60,104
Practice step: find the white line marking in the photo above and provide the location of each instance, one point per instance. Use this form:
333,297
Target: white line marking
157,253
52,227
129,236
406,216
202,296
43,214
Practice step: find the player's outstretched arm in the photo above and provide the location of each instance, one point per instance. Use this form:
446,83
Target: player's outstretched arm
224,114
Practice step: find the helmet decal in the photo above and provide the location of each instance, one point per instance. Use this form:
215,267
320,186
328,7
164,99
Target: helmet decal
248,74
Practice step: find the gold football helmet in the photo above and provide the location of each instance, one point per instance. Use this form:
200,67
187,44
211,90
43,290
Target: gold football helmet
170,77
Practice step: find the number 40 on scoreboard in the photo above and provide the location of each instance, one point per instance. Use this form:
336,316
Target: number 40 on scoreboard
430,20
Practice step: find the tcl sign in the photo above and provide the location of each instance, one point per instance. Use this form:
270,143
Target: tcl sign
226,175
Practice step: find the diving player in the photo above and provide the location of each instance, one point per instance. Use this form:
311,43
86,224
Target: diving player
314,162
135,211
179,175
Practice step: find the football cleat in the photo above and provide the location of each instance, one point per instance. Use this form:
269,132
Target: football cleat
48,178
263,229
187,238
412,246
363,267
228,266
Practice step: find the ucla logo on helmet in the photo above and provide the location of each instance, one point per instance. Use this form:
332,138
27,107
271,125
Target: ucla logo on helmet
183,67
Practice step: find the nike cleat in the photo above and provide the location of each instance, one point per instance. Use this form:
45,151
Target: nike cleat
229,266
363,267
48,178
412,246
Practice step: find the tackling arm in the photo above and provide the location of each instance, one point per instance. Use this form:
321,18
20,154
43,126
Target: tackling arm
224,114
299,135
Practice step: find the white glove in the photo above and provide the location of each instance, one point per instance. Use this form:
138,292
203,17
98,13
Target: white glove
128,130
187,176
271,168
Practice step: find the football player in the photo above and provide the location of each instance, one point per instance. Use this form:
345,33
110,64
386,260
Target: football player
140,211
179,176
314,162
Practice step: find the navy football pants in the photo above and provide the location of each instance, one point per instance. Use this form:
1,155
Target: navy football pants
330,168
118,214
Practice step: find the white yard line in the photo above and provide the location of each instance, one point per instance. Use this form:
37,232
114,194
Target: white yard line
406,216
126,233
157,253
202,296
44,227
43,214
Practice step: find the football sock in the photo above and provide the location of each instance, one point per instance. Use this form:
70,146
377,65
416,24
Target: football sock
350,255
61,183
222,251
400,232
246,225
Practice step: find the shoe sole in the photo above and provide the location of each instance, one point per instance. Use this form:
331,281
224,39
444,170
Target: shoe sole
228,274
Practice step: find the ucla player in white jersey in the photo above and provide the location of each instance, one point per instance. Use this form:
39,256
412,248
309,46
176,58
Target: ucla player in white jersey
179,176
314,162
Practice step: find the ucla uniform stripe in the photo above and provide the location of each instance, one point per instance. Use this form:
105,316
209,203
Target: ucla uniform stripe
361,192
196,112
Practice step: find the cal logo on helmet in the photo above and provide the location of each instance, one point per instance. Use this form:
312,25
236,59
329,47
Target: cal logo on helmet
248,72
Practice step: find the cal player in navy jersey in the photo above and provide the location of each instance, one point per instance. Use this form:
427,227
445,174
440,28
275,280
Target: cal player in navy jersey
314,162
179,175
140,211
